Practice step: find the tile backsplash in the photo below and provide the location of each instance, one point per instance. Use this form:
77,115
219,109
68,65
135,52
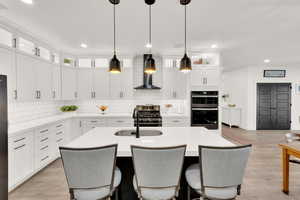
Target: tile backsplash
25,111
127,106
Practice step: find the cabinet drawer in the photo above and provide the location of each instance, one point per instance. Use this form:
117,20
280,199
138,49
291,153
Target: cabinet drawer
120,122
17,142
94,122
176,122
43,133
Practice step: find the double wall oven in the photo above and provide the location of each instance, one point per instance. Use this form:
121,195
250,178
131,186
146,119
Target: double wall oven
205,109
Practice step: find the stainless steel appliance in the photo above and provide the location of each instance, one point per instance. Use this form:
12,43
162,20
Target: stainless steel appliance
205,109
149,116
3,139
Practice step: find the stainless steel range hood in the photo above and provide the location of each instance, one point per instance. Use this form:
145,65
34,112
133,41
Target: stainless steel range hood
147,79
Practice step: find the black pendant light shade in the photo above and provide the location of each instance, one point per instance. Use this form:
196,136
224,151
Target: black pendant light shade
185,64
150,65
114,64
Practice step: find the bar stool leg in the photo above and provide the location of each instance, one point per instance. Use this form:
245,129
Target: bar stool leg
188,193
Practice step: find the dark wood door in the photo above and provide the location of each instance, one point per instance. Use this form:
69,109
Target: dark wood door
273,106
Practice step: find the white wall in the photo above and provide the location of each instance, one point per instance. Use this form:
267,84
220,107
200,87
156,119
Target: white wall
235,83
241,86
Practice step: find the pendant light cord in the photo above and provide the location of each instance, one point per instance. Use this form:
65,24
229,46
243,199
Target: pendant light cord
150,28
114,29
185,29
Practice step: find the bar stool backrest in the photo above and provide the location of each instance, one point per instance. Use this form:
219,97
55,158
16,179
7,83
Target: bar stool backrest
223,166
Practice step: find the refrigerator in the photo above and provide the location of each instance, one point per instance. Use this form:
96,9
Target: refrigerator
3,139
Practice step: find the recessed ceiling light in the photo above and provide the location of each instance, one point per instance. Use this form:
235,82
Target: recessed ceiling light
267,61
27,1
148,45
214,46
83,45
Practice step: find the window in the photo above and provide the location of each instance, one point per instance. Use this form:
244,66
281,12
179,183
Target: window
68,62
101,63
26,46
6,37
44,53
85,63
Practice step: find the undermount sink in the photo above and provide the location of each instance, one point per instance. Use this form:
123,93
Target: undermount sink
142,133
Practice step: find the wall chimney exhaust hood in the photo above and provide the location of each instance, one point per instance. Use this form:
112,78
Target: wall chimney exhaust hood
147,79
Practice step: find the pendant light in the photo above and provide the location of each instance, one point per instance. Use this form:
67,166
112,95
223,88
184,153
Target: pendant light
150,62
114,64
185,63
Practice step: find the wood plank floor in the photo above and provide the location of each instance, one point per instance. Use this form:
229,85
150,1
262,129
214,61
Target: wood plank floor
262,180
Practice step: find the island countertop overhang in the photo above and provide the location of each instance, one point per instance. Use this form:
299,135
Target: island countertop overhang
172,136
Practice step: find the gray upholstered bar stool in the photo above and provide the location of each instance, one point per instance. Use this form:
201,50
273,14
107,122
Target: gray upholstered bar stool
220,172
157,171
91,173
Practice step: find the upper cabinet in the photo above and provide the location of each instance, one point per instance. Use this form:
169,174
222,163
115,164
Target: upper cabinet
56,82
85,83
205,77
69,83
174,81
34,78
121,85
26,84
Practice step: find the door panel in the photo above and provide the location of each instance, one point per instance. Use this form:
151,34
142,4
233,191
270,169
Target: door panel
273,106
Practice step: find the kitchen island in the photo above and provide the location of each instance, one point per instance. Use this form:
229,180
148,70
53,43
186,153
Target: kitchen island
172,136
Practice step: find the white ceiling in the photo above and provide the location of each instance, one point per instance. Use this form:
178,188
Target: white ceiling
247,31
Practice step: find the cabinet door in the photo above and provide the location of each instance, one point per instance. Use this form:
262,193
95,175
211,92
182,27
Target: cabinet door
26,84
175,83
69,86
211,77
85,84
101,83
127,83
22,156
44,80
7,68
115,89
56,82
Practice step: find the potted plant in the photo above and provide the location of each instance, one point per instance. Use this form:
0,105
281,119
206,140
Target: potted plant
70,108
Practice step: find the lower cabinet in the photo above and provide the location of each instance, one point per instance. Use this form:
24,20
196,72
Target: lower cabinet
176,121
31,151
21,158
120,122
231,116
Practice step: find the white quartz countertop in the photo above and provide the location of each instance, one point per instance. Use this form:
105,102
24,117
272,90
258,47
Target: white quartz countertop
172,136
28,125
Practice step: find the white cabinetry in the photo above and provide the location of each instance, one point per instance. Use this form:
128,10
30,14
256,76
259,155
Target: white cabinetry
205,77
176,121
231,116
174,81
21,158
121,85
56,82
85,84
43,146
7,68
43,80
120,122
90,123
101,83
26,83
69,83
34,78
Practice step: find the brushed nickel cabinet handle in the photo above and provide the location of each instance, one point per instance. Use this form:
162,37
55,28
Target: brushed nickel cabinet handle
43,131
45,139
20,147
59,140
45,147
19,140
44,158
